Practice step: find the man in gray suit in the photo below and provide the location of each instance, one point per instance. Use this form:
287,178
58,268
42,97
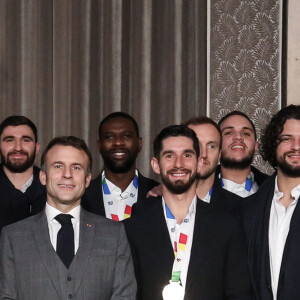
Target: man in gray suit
65,252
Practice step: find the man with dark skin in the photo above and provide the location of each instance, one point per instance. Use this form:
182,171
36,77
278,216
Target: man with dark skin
120,184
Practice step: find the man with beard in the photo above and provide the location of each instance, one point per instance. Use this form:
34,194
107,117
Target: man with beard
238,148
181,247
22,194
272,215
120,185
209,188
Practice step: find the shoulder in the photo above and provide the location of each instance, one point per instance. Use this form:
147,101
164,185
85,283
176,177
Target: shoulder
207,210
144,212
265,191
259,176
24,225
146,181
94,189
95,183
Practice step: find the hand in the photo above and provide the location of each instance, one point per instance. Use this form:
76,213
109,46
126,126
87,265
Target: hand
155,192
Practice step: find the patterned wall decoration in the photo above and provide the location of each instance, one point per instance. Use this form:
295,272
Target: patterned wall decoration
245,61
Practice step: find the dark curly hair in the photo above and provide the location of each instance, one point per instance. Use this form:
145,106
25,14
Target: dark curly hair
270,137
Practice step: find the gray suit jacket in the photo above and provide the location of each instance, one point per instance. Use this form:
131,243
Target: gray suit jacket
30,268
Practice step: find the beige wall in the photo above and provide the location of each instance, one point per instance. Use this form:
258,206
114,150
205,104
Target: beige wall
293,63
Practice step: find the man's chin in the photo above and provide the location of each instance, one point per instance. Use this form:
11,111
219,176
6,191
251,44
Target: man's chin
237,164
290,170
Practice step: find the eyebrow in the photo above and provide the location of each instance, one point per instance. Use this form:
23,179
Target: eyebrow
62,163
211,142
12,137
184,151
244,128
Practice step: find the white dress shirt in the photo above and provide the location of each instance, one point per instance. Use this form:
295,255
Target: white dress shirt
187,253
54,225
279,226
239,189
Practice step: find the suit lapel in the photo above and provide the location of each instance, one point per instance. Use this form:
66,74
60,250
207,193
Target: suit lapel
86,242
141,188
291,250
259,260
160,241
100,196
42,240
198,240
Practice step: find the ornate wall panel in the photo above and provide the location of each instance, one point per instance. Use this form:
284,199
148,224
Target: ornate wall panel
245,60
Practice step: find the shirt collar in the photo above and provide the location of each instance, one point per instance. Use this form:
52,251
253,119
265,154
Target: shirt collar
115,189
192,208
295,192
27,184
52,212
233,186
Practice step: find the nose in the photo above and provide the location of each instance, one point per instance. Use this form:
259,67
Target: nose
67,172
203,152
179,162
237,135
296,144
118,140
17,145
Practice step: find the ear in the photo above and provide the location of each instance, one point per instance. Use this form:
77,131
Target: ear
256,146
99,145
88,180
37,148
155,165
140,144
43,177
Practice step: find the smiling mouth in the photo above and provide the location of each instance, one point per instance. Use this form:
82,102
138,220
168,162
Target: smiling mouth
293,155
66,185
179,173
238,147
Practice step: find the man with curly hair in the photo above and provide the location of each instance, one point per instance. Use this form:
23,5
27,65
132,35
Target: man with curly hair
272,216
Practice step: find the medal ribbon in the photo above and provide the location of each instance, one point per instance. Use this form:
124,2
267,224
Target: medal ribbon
179,239
113,203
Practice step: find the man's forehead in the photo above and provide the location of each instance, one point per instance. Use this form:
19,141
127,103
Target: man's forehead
206,130
117,124
236,121
66,153
291,126
177,142
20,130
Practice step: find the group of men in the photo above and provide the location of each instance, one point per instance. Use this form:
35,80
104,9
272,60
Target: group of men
218,228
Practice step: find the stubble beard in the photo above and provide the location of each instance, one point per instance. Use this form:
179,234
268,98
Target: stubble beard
232,163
